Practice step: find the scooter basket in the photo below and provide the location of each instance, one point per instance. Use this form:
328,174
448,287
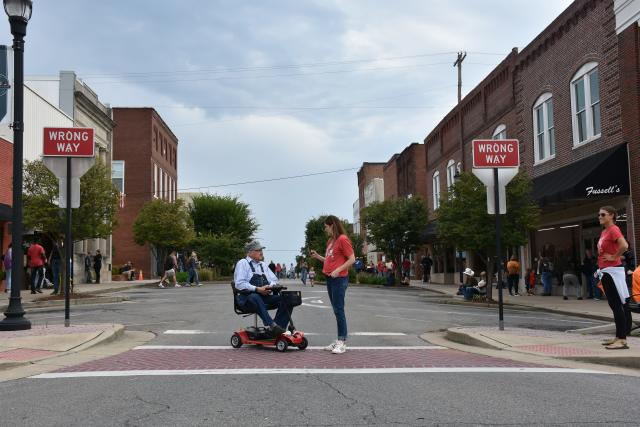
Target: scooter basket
292,298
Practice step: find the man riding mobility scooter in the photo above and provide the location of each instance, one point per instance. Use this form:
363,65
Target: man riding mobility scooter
260,335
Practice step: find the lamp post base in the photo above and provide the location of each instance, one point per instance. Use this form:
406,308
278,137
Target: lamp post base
14,317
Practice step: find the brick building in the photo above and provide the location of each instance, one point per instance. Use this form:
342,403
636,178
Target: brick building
572,99
145,167
370,189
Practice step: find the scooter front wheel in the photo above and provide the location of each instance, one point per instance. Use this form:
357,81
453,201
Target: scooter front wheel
303,344
236,341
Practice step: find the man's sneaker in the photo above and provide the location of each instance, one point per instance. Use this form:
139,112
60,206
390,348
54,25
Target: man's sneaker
199,284
276,330
160,285
331,346
340,347
177,286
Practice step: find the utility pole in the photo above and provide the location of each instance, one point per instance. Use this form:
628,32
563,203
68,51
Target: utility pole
458,63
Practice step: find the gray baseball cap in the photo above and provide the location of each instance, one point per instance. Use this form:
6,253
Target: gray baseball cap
253,245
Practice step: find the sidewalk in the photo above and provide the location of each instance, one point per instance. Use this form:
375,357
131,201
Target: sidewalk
587,308
549,344
83,294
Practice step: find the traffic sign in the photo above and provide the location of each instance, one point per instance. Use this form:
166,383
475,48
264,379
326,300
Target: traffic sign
496,153
68,142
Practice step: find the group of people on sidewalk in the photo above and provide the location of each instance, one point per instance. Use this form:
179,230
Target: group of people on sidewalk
255,281
171,268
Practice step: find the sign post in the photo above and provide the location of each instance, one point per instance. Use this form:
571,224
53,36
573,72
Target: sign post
60,145
503,157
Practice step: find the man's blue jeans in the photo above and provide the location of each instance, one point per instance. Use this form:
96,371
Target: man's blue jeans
193,275
546,282
258,303
37,277
592,289
337,288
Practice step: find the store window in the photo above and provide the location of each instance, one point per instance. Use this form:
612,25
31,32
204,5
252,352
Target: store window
544,144
436,190
585,103
451,174
500,132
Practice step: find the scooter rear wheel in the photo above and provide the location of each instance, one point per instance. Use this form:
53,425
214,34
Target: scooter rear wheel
236,341
281,345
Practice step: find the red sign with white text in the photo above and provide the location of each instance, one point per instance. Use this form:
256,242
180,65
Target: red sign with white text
68,142
496,153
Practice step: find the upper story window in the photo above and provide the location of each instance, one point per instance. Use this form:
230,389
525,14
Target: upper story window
544,144
500,132
451,173
436,190
117,174
585,103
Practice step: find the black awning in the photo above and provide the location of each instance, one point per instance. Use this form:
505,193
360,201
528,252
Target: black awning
6,213
430,233
604,175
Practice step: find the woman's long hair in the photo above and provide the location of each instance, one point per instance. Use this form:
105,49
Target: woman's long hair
336,226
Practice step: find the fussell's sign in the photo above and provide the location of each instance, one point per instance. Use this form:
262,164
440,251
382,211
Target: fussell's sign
68,142
496,153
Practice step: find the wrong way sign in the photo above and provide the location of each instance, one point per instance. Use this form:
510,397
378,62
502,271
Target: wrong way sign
68,142
496,153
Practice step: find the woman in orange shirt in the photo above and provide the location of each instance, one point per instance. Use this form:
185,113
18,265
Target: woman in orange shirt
337,259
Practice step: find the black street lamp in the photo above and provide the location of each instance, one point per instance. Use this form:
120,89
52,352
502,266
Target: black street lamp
19,13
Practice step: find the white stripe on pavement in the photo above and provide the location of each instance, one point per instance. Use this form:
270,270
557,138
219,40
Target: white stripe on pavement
177,372
226,347
199,332
373,334
186,332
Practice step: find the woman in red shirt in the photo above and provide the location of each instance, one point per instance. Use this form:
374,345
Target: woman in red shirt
337,259
611,246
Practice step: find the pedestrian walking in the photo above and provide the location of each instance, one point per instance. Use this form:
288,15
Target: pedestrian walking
304,269
611,246
426,262
513,277
546,269
97,264
54,262
278,271
8,258
570,278
170,267
336,261
192,267
312,275
35,260
406,271
531,281
88,261
589,267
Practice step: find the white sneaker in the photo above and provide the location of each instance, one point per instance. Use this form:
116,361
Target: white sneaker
177,286
160,285
340,347
331,346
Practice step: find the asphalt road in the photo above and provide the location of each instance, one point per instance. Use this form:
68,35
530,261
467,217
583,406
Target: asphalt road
220,386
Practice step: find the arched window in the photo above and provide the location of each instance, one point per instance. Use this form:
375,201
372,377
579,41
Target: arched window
544,140
436,190
585,103
451,173
500,132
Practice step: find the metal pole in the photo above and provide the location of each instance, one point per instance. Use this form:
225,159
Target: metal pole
496,195
14,316
69,248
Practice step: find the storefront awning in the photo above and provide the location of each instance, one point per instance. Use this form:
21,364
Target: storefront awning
604,175
5,213
430,233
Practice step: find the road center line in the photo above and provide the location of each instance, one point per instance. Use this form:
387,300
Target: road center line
275,371
227,347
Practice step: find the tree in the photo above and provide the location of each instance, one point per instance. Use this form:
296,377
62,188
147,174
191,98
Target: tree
316,238
463,221
95,218
164,226
223,224
395,226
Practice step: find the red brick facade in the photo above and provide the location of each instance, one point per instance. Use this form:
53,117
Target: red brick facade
142,139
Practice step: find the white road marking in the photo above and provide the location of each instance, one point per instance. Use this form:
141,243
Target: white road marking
227,347
185,332
316,306
200,332
272,371
374,334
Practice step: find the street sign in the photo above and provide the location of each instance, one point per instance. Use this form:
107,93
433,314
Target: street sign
79,166
496,153
504,177
68,142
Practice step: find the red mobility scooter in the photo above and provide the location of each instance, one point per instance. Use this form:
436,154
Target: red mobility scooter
258,335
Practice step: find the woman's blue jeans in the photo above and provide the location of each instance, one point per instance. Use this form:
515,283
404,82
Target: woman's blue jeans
193,275
546,282
337,288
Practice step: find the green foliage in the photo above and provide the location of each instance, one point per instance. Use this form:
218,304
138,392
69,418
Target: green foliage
463,221
369,279
96,216
207,275
182,276
395,226
163,225
315,238
223,224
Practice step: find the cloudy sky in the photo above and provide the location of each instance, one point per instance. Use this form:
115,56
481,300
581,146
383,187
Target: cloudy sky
257,90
